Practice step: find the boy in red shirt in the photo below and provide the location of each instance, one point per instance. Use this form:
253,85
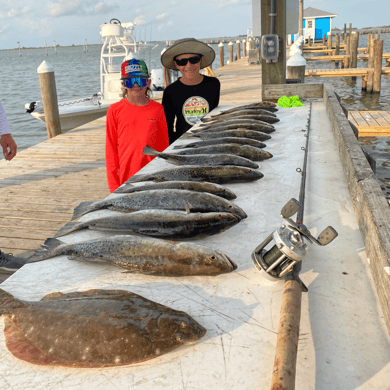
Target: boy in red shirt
133,123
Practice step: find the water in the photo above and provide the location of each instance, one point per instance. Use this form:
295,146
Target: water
77,75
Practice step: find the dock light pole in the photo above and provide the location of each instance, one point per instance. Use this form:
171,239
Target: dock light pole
300,21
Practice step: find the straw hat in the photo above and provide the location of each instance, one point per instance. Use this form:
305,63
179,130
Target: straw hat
187,46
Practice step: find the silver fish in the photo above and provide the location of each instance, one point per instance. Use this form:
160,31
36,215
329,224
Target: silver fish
161,199
257,117
218,174
245,124
236,133
269,106
199,186
201,159
254,154
226,140
143,255
93,329
243,111
168,224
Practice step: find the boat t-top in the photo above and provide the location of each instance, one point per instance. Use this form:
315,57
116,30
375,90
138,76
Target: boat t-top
119,45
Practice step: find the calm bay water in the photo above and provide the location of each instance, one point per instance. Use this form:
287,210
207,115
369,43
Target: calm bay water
78,75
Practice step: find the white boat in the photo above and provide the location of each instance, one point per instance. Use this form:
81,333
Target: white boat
118,44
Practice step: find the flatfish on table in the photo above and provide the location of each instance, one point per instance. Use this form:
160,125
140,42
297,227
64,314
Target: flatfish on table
239,112
237,124
93,328
246,151
143,255
268,106
168,224
218,174
198,186
202,159
161,199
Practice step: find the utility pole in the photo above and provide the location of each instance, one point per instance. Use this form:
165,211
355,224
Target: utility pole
300,28
274,72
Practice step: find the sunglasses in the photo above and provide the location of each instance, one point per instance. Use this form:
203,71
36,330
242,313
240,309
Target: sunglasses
184,61
130,82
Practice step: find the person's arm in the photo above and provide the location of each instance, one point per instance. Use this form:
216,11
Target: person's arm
6,140
169,115
112,160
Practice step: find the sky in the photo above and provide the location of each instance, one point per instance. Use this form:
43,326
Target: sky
70,22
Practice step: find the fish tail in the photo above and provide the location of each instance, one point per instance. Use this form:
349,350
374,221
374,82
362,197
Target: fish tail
47,250
8,302
83,208
149,151
69,228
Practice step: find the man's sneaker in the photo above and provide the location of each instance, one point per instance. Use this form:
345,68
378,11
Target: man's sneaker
10,263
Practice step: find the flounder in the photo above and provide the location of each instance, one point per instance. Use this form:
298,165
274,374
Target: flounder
222,141
143,255
93,329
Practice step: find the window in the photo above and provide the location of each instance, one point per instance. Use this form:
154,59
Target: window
309,24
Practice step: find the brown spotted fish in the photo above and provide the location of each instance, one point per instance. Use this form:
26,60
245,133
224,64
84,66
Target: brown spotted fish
93,329
143,255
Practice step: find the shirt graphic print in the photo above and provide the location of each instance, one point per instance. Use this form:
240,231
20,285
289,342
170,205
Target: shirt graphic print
194,109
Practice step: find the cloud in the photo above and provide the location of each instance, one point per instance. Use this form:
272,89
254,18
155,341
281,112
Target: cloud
3,29
43,26
225,3
25,10
162,16
12,12
103,8
139,20
64,7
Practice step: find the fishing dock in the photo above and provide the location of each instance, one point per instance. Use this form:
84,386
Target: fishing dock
371,123
344,338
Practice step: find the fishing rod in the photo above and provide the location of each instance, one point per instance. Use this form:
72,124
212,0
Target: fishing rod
284,261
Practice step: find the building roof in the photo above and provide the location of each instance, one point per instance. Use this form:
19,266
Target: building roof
316,13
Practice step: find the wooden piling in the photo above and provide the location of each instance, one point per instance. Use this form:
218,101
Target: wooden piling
370,76
347,59
49,99
230,45
378,53
323,39
329,43
244,48
350,29
221,55
345,33
337,50
354,51
238,49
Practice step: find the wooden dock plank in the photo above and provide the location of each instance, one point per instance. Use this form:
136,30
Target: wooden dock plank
371,123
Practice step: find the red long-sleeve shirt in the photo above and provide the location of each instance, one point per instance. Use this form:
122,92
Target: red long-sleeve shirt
129,129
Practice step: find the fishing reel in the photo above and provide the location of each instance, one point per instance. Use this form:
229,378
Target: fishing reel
289,248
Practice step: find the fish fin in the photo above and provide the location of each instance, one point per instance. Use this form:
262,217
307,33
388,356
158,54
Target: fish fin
179,147
84,259
138,178
123,189
69,228
83,208
188,211
47,250
8,302
149,151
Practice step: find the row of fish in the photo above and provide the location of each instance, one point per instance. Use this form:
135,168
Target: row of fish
99,328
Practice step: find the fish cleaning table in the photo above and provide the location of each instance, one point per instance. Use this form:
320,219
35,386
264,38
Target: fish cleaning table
343,340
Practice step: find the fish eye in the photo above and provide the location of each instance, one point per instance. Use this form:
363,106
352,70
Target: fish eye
230,206
179,337
212,257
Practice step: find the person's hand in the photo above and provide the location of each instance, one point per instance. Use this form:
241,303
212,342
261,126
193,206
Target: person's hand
6,141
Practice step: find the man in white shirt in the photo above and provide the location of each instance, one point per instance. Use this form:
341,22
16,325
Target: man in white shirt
6,141
8,262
